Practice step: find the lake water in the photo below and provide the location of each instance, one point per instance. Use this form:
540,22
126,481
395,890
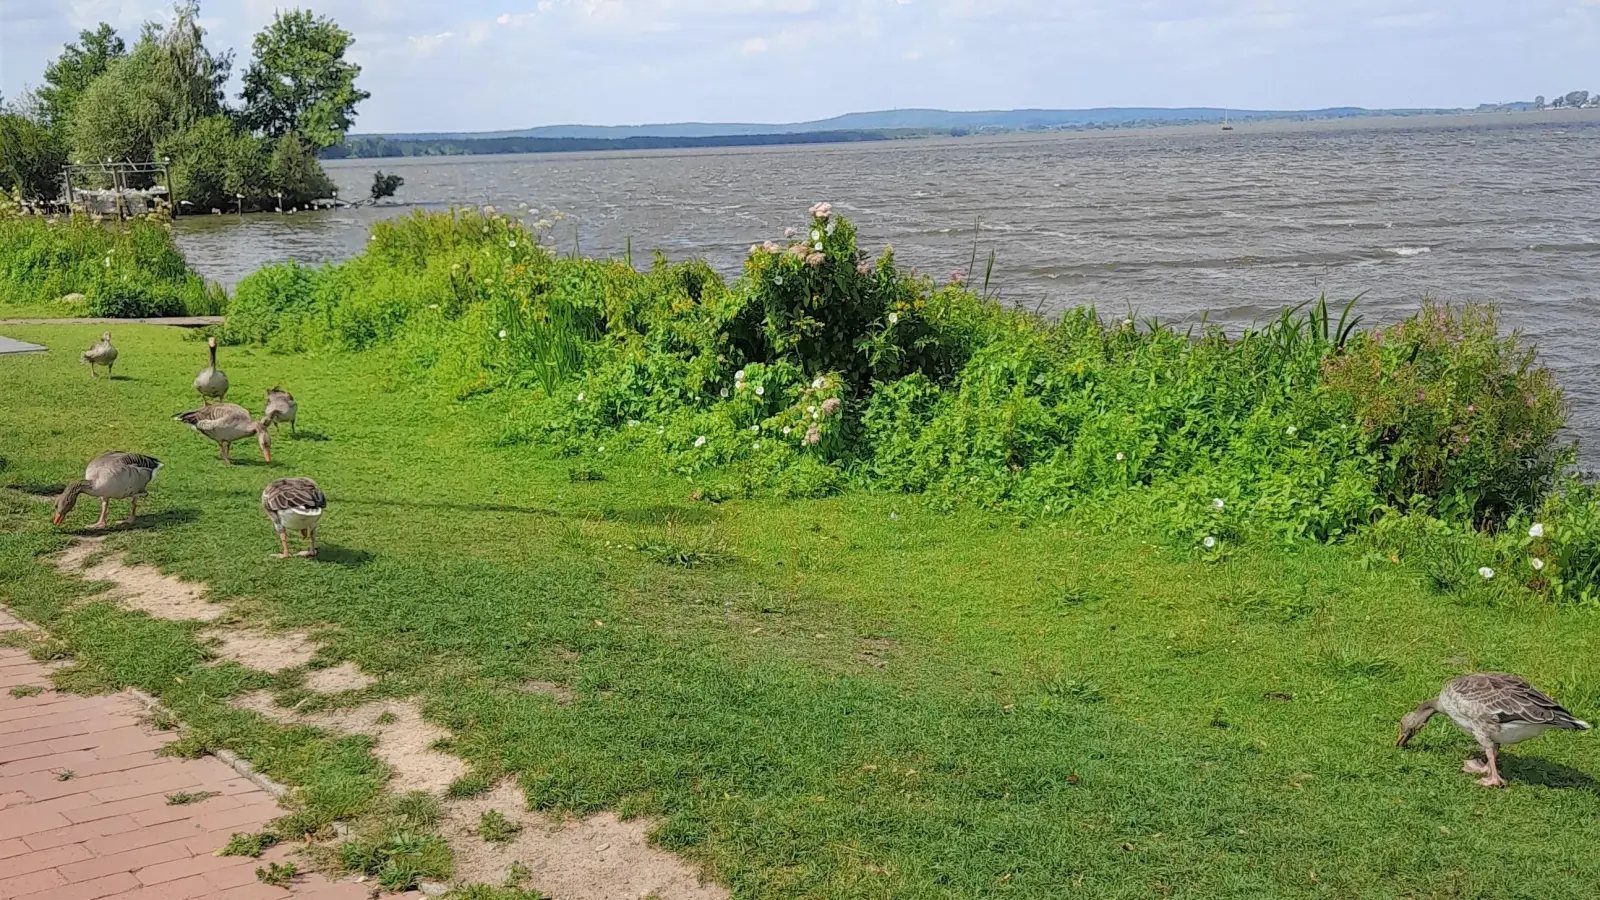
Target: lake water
1175,223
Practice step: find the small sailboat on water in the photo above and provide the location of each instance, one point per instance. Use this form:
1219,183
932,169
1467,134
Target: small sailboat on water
1225,125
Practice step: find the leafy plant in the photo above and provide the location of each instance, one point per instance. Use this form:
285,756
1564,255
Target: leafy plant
277,874
494,827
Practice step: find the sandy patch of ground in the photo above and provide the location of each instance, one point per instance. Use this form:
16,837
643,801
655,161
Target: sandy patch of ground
262,651
140,587
557,692
401,737
343,677
599,858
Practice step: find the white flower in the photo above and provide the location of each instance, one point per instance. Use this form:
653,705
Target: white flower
1039,379
633,423
760,390
1209,542
755,429
580,396
739,375
1538,564
1217,502
1120,457
1290,431
602,448
777,280
503,337
816,236
1486,572
818,383
786,430
511,244
700,441
817,247
108,262
831,227
894,318
756,445
436,306
661,429
1127,323
724,392
812,410
1537,531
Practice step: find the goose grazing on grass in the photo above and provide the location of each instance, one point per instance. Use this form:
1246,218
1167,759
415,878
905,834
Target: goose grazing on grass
211,383
226,423
280,408
1496,709
101,354
294,504
110,476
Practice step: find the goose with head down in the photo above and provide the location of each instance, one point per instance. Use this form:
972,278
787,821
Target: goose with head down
1496,708
294,504
101,354
226,423
280,408
211,382
110,476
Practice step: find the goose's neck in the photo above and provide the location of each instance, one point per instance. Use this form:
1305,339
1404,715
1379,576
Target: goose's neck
213,349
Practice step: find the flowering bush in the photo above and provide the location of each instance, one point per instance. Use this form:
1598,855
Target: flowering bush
123,270
1465,419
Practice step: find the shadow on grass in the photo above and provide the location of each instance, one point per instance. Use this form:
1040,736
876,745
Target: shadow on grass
348,557
121,378
42,491
313,436
1543,772
664,514
146,522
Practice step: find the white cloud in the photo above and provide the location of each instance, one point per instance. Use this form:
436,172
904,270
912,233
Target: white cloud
753,46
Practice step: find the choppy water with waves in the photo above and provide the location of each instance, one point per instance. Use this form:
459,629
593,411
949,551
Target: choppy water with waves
1232,226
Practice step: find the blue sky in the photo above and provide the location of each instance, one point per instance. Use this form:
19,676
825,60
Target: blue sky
487,64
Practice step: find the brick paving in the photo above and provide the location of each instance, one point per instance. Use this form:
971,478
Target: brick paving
107,830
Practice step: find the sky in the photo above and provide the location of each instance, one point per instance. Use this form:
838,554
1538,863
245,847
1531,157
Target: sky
470,65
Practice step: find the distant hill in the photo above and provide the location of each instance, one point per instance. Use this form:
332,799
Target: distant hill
883,125
918,119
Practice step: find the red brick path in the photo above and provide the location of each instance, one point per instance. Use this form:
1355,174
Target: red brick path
108,830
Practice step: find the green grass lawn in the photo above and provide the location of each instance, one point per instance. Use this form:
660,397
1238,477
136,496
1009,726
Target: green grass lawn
857,697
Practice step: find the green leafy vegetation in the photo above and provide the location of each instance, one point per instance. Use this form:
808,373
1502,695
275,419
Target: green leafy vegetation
277,874
494,827
26,690
121,270
251,845
184,798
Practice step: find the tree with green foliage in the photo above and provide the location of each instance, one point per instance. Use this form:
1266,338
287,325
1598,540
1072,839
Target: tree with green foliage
69,76
300,82
31,157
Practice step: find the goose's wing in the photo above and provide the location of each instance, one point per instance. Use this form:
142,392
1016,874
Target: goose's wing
121,460
1510,699
215,414
292,493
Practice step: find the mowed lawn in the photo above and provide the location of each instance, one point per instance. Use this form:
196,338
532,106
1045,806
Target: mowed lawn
856,697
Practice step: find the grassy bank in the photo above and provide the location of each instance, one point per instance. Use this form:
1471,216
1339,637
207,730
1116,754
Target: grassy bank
74,266
853,696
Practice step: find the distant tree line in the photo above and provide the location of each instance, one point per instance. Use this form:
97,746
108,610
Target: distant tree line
376,146
165,100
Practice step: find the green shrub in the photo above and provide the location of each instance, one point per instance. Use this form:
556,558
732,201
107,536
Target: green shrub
123,270
818,367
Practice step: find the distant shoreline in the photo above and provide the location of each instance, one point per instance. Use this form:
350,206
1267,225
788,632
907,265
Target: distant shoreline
624,148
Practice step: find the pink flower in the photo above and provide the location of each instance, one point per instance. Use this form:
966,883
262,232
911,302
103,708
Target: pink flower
958,277
1472,407
815,260
831,406
798,250
770,247
788,232
822,210
1421,396
813,437
863,268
